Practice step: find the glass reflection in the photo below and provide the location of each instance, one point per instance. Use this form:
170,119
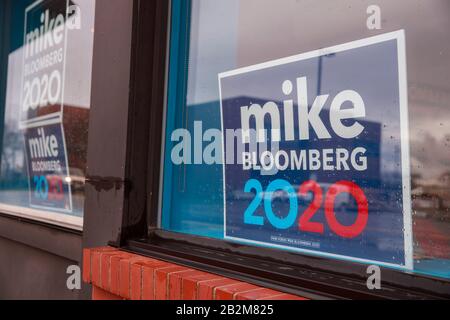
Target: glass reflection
47,49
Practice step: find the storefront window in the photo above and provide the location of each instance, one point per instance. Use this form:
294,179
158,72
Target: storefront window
356,128
45,86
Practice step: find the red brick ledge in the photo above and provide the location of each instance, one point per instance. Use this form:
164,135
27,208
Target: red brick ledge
116,274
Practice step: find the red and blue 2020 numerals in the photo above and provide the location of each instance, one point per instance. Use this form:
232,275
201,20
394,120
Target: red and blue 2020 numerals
304,222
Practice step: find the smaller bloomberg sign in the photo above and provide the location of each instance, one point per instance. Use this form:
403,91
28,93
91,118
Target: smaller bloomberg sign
47,167
323,153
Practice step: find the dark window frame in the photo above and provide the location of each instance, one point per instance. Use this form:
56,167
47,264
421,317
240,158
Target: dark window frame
138,231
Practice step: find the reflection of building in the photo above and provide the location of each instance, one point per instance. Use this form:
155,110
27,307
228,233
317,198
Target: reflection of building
431,205
76,123
431,197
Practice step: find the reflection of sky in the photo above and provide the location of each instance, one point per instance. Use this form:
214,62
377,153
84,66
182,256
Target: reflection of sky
79,58
212,49
13,91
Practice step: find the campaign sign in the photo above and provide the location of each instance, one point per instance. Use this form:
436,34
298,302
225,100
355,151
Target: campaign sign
49,178
321,153
44,55
42,101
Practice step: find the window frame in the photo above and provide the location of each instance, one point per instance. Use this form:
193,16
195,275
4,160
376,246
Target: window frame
309,276
49,217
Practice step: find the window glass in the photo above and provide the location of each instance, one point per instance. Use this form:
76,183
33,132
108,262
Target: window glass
354,99
45,81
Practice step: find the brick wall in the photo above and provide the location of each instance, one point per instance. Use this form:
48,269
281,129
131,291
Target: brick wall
115,274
